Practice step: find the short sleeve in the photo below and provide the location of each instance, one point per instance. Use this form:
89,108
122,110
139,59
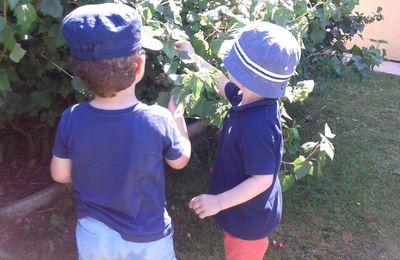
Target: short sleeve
233,93
174,141
60,148
259,153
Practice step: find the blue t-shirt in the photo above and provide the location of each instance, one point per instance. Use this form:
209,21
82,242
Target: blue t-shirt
118,165
250,144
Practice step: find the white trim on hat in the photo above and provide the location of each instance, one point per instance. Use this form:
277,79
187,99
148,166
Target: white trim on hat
260,71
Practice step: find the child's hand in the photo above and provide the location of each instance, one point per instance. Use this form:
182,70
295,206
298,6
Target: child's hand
205,205
185,46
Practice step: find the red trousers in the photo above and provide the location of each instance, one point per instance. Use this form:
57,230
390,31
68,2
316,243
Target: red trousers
239,249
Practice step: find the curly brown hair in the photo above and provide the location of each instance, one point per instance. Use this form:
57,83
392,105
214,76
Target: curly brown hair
106,77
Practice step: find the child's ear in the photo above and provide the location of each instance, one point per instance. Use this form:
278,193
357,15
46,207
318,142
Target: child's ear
140,61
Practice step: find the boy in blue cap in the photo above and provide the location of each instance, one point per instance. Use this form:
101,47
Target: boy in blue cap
113,147
245,194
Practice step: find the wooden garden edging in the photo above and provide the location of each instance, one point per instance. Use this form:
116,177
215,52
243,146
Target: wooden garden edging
32,202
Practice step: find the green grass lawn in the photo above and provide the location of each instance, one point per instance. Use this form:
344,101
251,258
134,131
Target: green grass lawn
352,212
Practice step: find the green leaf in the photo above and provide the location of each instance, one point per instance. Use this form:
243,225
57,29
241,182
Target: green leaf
301,7
307,147
57,220
302,169
185,58
299,161
179,94
3,100
169,49
2,23
194,84
360,64
45,25
317,33
287,181
52,8
7,37
200,44
41,99
147,14
65,89
215,46
328,132
12,3
327,147
204,21
202,108
17,53
281,15
4,83
237,22
163,99
330,9
355,50
26,15
170,68
179,35
49,117
56,38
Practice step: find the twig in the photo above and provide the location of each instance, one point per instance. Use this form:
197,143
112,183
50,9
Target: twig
308,158
5,20
5,10
22,132
313,152
305,14
45,210
27,135
57,66
19,172
287,163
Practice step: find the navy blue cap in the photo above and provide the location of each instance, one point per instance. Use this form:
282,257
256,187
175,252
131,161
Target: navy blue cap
263,58
103,31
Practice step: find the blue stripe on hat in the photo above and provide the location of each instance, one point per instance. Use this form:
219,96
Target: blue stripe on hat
257,69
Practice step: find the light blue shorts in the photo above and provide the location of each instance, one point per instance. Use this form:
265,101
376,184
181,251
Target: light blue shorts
96,241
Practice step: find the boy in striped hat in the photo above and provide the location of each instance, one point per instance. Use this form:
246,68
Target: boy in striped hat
245,197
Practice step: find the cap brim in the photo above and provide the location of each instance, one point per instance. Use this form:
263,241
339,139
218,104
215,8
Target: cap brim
148,42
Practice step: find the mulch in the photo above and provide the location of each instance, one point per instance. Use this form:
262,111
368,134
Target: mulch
46,233
19,179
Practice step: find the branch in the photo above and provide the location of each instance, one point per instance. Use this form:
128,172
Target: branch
308,158
313,152
5,20
57,66
5,10
307,13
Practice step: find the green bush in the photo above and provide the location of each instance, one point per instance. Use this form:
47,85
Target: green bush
35,85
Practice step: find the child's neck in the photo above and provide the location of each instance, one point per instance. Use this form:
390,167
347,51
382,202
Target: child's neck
123,99
249,97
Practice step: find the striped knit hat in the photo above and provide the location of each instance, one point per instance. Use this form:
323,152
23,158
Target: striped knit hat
263,58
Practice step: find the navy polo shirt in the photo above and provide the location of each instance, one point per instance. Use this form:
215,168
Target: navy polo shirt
118,165
250,144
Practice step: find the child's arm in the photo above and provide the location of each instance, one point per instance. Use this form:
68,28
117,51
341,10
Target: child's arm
177,114
186,46
206,205
60,169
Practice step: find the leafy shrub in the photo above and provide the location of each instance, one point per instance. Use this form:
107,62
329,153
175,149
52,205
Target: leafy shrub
35,85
